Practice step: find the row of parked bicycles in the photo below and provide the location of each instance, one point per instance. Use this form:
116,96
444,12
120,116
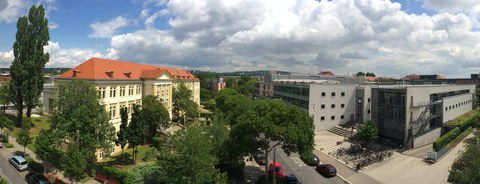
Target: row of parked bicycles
360,156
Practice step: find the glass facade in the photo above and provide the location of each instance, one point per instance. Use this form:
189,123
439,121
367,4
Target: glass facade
390,116
293,94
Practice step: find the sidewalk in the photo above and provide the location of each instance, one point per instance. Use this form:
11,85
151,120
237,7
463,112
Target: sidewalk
17,148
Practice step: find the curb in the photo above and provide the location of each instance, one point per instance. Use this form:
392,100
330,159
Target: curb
344,179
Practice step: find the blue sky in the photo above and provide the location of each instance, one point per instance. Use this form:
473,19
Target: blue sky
390,38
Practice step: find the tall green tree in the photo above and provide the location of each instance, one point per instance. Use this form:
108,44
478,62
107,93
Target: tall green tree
136,131
146,174
155,115
183,105
24,137
5,122
74,163
80,118
30,59
233,104
4,97
367,131
189,158
271,123
122,133
46,146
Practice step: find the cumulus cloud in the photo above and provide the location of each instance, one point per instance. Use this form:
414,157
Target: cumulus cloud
453,6
60,57
6,59
10,10
303,36
107,29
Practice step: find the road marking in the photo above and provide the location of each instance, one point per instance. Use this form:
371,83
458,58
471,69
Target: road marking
298,161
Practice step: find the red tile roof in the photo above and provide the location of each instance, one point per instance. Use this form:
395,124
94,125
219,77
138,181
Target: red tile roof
105,69
5,78
152,74
327,73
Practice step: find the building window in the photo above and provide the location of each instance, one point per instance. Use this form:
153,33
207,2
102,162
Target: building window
342,105
368,112
322,106
113,91
333,106
323,93
342,117
333,93
333,117
122,91
138,90
322,118
446,108
368,100
130,90
113,111
101,92
342,94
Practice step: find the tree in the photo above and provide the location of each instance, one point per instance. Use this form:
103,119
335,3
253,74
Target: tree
24,137
271,123
30,59
183,105
190,155
205,94
46,146
74,163
232,104
145,174
231,82
467,166
81,119
155,115
4,122
3,180
122,133
4,97
367,131
136,131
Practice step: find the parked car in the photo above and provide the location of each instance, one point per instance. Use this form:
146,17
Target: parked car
18,162
313,161
326,170
36,178
1,144
279,172
291,179
260,157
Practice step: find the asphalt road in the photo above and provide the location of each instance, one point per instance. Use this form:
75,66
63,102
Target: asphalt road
306,174
10,172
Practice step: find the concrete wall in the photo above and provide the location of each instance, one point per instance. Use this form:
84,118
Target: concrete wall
456,105
316,100
427,138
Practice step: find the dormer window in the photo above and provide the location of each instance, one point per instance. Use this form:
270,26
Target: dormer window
75,73
110,74
128,74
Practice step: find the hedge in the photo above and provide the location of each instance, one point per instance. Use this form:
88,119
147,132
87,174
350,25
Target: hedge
112,172
460,137
34,165
472,121
8,145
445,139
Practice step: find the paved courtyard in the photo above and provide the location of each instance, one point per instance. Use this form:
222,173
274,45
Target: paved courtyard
411,169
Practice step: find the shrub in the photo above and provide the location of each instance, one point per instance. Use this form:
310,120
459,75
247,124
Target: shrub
34,165
112,172
157,142
445,139
460,137
8,145
151,153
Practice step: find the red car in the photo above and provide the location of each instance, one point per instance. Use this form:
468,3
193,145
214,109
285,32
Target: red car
278,170
326,170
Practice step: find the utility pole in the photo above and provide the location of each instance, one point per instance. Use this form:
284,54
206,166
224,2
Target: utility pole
274,164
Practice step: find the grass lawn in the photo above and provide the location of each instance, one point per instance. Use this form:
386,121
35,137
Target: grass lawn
462,118
116,159
39,123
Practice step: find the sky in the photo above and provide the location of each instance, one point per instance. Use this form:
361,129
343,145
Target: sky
390,38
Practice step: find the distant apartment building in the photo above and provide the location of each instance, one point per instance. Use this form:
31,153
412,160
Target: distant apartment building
411,115
123,84
219,84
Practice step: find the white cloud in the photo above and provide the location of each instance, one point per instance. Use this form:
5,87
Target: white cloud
69,57
304,36
10,10
107,29
6,59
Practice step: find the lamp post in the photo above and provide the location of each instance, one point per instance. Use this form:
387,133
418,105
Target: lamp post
274,165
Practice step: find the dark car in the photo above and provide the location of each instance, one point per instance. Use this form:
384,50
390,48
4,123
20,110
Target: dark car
36,178
326,170
260,157
313,161
291,179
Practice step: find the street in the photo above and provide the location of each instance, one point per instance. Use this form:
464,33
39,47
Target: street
306,174
10,172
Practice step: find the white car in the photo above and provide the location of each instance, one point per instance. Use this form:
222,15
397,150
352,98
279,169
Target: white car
1,144
18,162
